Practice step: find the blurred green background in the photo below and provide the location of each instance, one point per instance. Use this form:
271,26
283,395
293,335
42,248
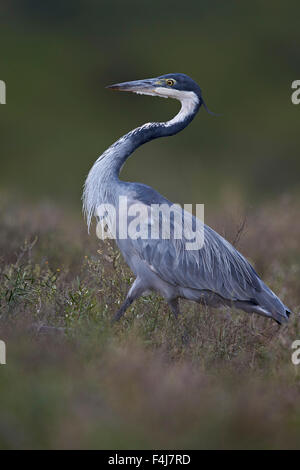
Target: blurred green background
213,380
57,57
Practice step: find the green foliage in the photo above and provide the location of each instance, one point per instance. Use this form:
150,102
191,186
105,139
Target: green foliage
25,284
213,378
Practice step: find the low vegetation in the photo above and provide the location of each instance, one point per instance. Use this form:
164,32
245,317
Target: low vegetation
211,379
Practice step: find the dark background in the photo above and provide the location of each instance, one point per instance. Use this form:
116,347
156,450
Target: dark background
57,57
215,378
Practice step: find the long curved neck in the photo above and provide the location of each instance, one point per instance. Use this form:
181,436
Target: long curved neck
98,186
125,146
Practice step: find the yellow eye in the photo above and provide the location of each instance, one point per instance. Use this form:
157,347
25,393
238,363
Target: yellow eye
170,82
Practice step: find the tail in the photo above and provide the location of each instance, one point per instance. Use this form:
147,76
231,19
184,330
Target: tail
271,305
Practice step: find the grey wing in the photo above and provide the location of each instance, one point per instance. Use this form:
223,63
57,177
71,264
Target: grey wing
217,266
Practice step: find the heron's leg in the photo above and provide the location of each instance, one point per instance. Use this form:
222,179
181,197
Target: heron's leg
123,308
135,291
173,304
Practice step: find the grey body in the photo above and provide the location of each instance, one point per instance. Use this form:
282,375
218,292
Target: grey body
216,274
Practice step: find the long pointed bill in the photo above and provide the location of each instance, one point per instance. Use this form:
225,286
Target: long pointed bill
145,87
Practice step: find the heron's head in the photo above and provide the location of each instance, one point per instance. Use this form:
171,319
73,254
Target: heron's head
172,85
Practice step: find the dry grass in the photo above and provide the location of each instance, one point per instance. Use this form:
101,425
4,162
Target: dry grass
213,379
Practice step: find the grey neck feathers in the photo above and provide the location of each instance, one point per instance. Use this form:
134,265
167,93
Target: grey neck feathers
103,179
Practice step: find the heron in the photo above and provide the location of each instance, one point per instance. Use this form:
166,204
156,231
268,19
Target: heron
216,274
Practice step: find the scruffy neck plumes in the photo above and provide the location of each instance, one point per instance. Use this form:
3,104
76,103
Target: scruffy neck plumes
108,166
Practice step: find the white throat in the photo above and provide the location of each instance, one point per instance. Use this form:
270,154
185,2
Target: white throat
98,183
189,100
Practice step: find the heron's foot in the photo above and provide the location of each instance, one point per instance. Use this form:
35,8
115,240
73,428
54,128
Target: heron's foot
135,291
118,315
122,309
185,338
173,304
